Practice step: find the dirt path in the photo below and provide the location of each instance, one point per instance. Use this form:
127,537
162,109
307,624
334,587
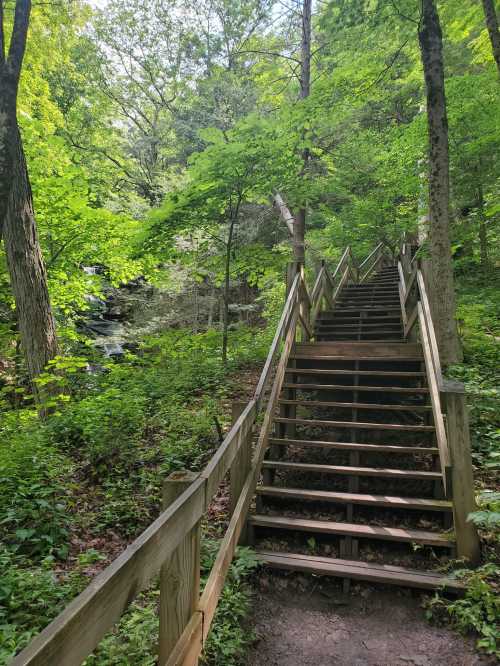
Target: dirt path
308,622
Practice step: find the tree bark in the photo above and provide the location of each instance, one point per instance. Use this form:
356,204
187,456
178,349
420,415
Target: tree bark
441,292
490,17
483,233
299,228
225,321
17,220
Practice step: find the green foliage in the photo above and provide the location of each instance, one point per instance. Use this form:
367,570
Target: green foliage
228,639
30,596
33,517
135,639
478,610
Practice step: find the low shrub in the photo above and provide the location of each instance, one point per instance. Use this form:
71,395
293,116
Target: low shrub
33,517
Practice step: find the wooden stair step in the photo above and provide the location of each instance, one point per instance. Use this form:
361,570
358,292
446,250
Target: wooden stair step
358,570
355,425
367,308
351,529
346,357
381,373
349,470
356,405
361,324
351,387
355,446
355,498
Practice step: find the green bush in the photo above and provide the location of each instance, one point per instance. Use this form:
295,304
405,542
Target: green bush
29,598
228,639
33,517
478,610
103,427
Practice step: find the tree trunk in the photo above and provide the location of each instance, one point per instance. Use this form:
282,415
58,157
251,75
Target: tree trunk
225,324
483,233
28,277
441,292
17,220
299,228
491,19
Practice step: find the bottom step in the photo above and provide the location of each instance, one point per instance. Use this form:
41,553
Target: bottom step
375,573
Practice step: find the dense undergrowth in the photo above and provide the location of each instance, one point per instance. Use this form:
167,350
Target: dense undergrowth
479,319
92,472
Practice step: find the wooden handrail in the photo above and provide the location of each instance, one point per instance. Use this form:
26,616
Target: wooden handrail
77,631
377,248
442,443
191,642
281,331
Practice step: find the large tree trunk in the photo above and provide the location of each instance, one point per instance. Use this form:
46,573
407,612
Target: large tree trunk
26,268
440,276
491,19
17,221
299,229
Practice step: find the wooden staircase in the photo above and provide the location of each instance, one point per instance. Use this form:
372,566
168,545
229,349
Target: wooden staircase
352,484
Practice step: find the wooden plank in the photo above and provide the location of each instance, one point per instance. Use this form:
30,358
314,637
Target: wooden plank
444,454
355,498
372,253
353,373
462,478
411,321
356,446
351,470
350,387
356,405
357,349
281,332
241,465
374,573
75,633
355,424
180,573
237,437
411,281
430,328
350,529
402,305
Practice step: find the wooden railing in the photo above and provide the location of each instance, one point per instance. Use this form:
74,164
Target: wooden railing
413,296
447,398
170,545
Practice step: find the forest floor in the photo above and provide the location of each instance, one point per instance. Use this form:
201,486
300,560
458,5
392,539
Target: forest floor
300,621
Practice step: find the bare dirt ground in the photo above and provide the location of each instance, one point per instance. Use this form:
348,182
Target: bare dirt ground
300,621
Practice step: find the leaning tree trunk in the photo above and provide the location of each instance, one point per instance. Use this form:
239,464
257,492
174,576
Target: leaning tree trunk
442,293
24,260
490,16
17,220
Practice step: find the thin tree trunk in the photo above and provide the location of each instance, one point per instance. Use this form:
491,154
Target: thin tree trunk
227,268
483,233
17,220
442,293
299,228
490,17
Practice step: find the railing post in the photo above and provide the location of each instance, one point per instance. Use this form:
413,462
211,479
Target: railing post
240,467
462,480
179,575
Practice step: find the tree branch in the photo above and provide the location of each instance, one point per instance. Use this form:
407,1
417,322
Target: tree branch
2,38
19,36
